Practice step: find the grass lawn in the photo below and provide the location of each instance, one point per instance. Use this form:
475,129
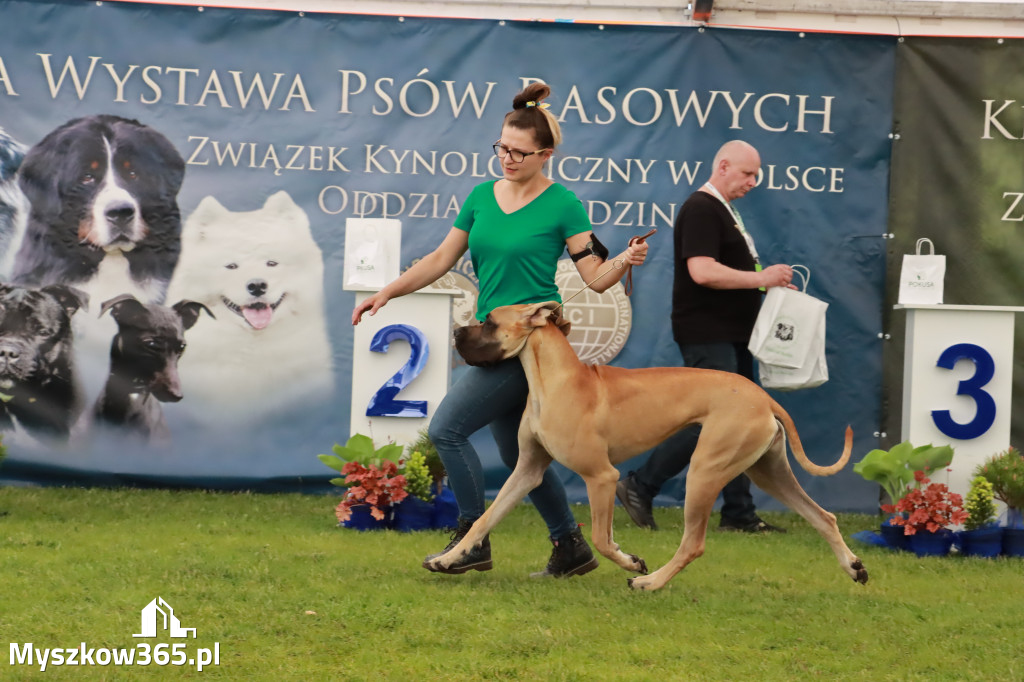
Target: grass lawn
286,595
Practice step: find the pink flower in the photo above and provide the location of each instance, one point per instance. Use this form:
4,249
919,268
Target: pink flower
929,509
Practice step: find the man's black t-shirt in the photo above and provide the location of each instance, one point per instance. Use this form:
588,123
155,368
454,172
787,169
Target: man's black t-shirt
705,227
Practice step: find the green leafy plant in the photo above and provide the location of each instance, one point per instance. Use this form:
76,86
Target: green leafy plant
926,509
369,475
360,448
979,504
894,469
418,481
1005,471
426,447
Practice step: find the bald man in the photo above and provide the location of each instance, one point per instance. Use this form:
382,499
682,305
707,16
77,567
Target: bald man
716,295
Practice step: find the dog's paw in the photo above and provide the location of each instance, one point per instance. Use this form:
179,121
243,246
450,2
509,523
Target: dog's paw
641,564
635,584
862,573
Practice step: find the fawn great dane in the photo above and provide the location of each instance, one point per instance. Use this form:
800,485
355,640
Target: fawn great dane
592,417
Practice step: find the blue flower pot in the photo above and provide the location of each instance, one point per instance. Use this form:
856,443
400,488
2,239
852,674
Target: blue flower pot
923,543
1013,542
984,542
894,536
361,519
411,514
446,510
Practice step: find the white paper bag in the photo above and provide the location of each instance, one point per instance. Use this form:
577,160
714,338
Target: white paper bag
922,276
786,332
372,252
813,373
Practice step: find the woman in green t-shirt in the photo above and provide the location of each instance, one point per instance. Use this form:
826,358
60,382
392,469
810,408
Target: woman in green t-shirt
515,229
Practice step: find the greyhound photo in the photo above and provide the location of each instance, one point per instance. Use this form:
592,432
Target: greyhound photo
590,418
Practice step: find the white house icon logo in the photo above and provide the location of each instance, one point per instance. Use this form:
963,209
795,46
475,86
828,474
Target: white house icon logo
157,610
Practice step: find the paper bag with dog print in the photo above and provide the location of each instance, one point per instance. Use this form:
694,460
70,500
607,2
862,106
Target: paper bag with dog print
372,252
786,333
922,275
813,373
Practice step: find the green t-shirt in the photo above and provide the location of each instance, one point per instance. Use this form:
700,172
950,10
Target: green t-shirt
515,255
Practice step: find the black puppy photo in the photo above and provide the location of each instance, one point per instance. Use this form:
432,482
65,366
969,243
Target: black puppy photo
102,192
144,358
38,391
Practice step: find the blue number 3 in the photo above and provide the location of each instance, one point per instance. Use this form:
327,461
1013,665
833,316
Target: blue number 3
984,370
383,403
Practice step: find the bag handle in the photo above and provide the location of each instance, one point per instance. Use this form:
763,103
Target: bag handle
805,274
922,241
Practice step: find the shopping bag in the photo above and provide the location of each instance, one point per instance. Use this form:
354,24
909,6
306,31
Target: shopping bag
813,373
922,275
786,330
372,252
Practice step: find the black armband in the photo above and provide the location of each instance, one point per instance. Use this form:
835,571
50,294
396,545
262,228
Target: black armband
594,248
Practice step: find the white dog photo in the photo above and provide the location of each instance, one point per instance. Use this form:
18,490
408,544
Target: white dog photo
261,275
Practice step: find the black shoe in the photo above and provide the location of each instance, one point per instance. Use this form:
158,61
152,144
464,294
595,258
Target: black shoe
478,558
755,526
636,502
571,556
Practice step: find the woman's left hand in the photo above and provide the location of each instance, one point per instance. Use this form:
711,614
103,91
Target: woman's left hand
636,253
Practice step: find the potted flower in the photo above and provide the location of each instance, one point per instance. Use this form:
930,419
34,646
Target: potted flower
1005,471
446,510
926,512
416,511
982,535
372,481
894,469
431,458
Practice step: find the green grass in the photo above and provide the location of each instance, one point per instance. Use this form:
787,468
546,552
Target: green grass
289,596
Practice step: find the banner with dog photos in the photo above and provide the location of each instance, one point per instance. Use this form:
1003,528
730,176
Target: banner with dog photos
176,183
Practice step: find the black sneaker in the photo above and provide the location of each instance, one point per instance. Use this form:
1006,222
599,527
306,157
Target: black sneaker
755,526
636,502
478,558
571,556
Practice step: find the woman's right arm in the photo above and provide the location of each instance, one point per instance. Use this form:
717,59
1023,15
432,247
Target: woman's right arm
426,271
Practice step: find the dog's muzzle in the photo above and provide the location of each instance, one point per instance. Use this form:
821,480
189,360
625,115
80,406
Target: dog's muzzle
476,348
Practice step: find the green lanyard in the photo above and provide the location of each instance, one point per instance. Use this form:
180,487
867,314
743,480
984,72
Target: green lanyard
739,224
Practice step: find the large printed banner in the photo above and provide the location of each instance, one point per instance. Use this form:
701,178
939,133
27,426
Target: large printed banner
958,179
186,176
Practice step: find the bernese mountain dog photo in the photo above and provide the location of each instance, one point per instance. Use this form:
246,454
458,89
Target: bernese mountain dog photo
103,212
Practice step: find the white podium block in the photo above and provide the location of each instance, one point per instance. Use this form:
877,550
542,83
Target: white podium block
957,383
376,375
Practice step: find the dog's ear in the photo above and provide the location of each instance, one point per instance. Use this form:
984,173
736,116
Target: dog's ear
538,314
110,303
123,307
70,298
563,324
189,311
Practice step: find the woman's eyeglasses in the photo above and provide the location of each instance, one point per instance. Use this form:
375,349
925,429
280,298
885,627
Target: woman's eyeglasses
517,156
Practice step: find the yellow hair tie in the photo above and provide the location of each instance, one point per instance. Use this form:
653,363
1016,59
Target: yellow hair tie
542,105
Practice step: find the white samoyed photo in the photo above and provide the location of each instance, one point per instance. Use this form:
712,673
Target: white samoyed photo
261,275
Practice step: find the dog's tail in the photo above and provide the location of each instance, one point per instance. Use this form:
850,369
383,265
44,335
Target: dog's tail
798,448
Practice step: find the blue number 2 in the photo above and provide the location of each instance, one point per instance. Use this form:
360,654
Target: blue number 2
984,370
383,403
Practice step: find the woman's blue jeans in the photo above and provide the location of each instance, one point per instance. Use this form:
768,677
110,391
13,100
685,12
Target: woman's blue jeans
496,397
